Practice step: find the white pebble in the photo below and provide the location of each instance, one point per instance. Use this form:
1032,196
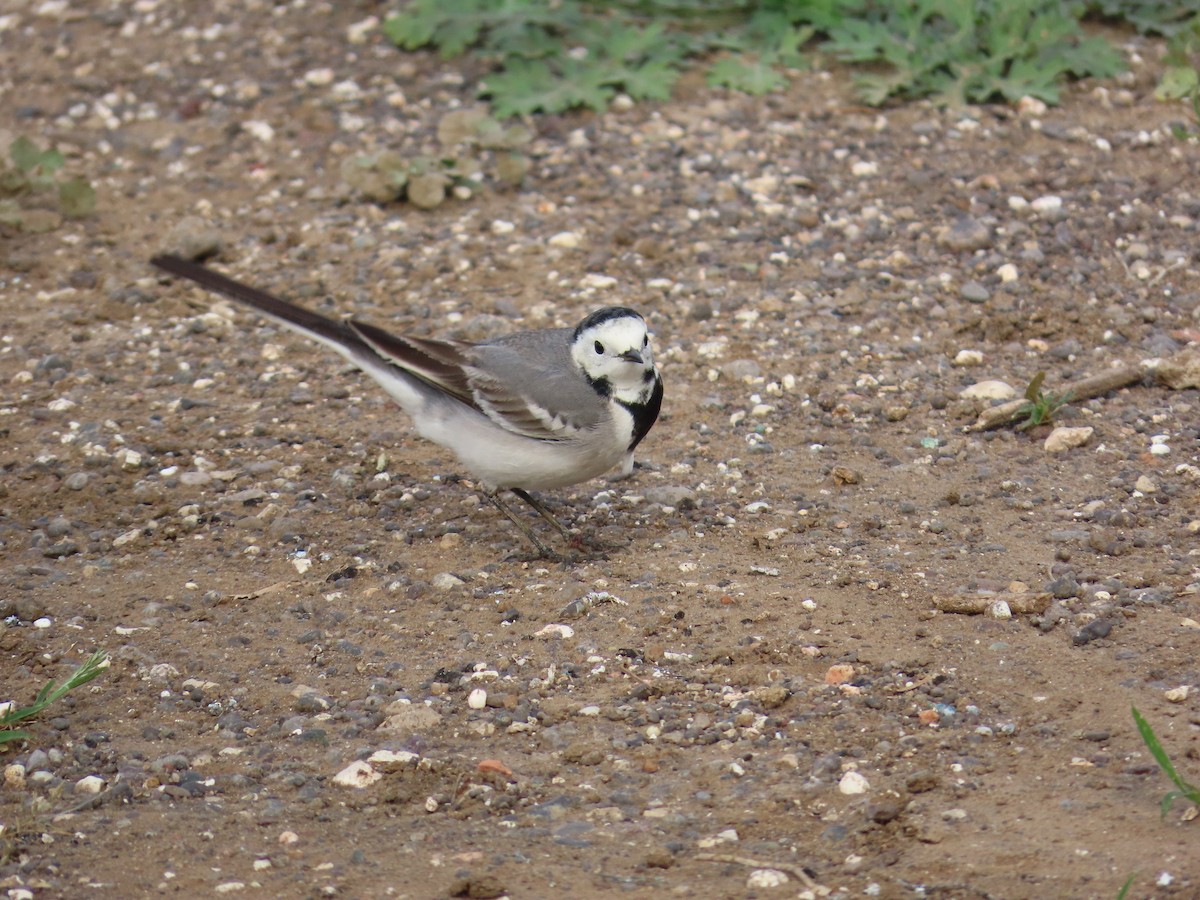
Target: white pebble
598,282
1047,204
89,784
853,783
319,77
500,226
766,878
1177,695
477,699
556,630
988,390
357,33
357,775
968,358
590,711
389,760
1062,438
864,168
1000,610
1031,106
259,130
1008,273
43,622
566,240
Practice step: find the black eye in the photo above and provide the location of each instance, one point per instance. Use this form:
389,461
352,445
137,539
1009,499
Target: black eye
598,347
646,341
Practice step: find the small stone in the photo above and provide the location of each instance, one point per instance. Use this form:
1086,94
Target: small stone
358,774
989,390
1177,695
392,760
566,240
974,292
1093,630
839,674
1145,485
1008,273
556,630
659,858
14,776
1064,438
766,878
968,358
853,783
1031,107
1049,206
319,77
193,238
76,481
89,784
477,699
446,581
967,234
1000,609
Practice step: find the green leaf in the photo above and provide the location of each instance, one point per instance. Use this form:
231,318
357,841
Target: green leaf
1034,391
25,154
651,81
77,198
1177,82
525,87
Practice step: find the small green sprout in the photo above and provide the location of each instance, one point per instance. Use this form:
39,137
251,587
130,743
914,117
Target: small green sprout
1185,789
1040,407
11,715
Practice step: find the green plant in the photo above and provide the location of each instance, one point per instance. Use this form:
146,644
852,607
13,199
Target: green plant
1162,17
34,171
83,673
1181,76
1040,407
1185,790
552,55
1124,891
970,51
469,138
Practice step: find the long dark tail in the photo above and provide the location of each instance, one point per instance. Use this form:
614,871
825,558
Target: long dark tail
305,320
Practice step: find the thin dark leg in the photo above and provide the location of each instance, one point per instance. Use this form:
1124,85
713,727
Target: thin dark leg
542,511
521,526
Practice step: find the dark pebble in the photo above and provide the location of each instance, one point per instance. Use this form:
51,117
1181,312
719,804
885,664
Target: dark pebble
1097,628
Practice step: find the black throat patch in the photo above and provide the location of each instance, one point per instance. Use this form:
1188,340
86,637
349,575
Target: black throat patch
645,414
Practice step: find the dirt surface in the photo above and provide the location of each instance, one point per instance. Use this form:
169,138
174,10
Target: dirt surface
759,692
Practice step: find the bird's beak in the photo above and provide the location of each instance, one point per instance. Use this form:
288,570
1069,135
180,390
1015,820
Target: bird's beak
633,356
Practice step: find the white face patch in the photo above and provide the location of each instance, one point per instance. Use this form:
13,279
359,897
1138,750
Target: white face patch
617,351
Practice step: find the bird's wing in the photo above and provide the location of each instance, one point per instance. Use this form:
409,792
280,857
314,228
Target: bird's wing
527,383
441,363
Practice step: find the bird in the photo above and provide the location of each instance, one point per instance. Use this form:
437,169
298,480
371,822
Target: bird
526,411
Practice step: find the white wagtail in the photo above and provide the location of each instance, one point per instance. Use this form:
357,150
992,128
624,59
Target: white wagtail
532,410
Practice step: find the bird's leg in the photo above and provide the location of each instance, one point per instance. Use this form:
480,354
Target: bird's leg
575,541
541,510
524,529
